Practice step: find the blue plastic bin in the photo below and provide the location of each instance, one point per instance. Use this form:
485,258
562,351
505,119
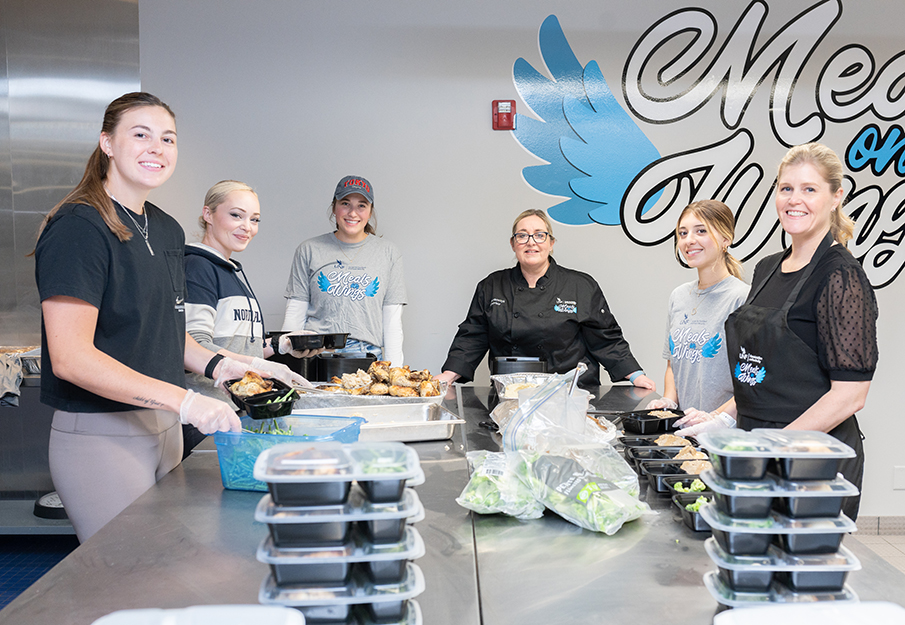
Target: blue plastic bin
237,451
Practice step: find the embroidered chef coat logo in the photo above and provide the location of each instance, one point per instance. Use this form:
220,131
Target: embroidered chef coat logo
747,369
497,301
344,284
694,346
564,306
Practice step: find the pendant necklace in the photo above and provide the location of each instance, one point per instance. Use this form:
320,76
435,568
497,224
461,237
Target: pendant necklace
341,249
142,231
700,299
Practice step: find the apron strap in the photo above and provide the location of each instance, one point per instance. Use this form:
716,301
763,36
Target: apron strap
821,250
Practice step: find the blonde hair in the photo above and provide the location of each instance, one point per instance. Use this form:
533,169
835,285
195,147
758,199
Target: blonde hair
218,193
842,227
719,221
534,212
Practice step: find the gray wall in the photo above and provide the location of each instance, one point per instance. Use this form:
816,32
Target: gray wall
62,62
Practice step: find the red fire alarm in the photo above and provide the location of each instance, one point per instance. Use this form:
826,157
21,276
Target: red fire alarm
504,114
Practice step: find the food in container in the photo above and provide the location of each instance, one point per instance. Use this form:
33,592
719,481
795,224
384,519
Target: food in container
650,421
690,516
325,564
671,440
746,499
634,455
736,454
238,451
685,485
316,474
382,602
273,399
777,593
299,526
795,536
808,573
657,472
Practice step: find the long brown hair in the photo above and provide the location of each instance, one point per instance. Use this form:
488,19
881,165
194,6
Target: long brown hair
720,222
90,190
827,162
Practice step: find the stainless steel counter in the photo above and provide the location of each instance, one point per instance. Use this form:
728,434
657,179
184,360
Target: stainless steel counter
187,541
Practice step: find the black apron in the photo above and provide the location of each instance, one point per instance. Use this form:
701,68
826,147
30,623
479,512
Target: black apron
776,376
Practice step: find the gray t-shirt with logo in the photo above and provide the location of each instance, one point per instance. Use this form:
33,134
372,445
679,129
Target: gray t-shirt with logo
347,285
696,341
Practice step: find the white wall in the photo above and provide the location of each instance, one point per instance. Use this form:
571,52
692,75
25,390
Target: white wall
291,95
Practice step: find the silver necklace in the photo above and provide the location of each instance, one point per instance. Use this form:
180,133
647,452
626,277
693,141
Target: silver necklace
694,310
142,231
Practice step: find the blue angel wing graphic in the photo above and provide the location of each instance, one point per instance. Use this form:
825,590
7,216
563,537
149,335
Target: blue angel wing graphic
371,289
738,371
592,147
672,346
761,373
712,347
322,282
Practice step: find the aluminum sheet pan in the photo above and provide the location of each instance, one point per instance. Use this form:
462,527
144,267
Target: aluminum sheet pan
339,400
406,423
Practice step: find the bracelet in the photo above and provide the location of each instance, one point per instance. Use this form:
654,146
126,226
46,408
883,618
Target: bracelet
212,364
635,375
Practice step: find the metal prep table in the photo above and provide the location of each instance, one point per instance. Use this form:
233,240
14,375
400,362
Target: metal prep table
187,542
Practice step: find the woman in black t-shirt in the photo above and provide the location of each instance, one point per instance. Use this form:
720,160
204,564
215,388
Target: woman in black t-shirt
803,348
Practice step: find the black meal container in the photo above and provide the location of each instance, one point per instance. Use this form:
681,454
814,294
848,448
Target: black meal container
742,543
333,364
743,507
309,493
808,507
387,611
517,364
638,441
302,342
656,472
740,467
642,422
692,520
686,482
312,574
800,544
382,531
635,454
330,614
256,406
384,571
799,469
383,491
307,534
746,580
813,581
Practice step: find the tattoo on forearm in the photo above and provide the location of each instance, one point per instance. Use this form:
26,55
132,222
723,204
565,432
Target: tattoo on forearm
148,402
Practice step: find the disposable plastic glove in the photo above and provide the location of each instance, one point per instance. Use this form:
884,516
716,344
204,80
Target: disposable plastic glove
715,421
281,372
664,403
284,346
207,414
229,369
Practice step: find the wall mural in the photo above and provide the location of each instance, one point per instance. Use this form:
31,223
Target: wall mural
610,173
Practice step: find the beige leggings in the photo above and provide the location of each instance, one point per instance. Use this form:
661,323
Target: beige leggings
102,462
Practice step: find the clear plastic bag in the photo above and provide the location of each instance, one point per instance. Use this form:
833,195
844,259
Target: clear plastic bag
495,487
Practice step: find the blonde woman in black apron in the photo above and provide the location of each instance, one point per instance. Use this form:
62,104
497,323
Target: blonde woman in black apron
803,348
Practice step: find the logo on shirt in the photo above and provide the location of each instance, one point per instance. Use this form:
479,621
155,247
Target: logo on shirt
563,306
497,301
747,369
345,284
694,346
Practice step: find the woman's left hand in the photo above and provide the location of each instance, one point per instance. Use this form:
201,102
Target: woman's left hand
642,381
281,372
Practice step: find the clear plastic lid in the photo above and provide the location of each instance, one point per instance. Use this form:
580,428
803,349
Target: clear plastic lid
775,523
357,590
359,549
778,560
357,508
777,594
774,486
735,442
330,461
767,443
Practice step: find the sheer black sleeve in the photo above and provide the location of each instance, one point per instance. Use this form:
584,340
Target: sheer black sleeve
846,314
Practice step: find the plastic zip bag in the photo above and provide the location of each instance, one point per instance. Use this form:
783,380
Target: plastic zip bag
495,487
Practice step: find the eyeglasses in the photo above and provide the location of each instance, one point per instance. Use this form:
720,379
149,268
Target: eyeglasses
522,237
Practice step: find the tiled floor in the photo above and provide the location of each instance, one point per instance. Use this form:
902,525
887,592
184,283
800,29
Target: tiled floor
25,558
890,547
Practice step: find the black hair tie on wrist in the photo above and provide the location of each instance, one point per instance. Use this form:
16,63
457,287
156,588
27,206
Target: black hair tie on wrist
212,364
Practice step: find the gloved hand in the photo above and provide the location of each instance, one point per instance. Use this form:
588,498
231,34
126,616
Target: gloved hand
230,369
280,371
708,421
207,414
284,346
664,403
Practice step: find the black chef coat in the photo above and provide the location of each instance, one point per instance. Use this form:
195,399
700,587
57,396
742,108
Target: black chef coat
565,319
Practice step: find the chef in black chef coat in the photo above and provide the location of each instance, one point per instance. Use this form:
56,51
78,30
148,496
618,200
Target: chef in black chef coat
540,309
803,347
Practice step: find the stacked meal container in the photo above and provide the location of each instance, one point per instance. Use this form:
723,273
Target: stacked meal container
341,544
776,517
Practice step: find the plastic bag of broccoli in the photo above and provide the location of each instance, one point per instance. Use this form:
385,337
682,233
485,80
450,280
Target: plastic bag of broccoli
576,494
495,487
